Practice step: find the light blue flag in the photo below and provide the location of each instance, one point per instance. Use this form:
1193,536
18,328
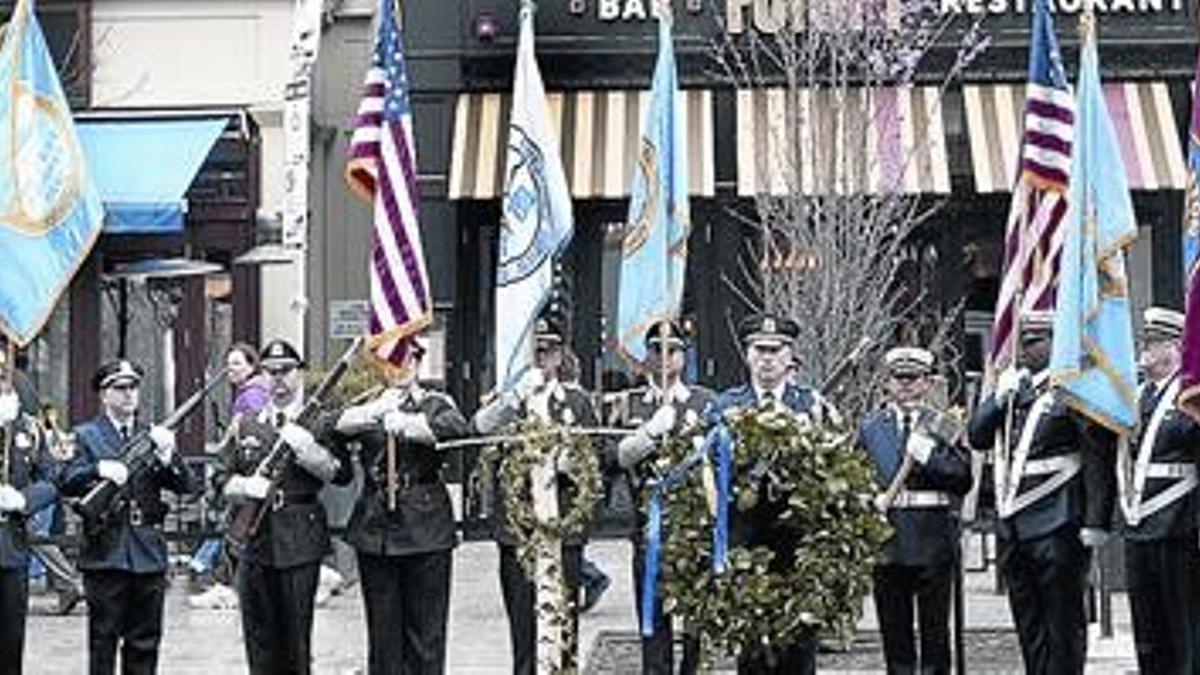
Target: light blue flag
50,212
536,219
1092,362
654,251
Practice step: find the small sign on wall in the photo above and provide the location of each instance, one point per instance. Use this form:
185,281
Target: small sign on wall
348,319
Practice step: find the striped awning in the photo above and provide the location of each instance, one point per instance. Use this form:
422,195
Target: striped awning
835,141
599,131
1141,112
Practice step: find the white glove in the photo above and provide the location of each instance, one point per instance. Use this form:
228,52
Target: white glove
661,422
11,499
247,487
411,425
164,443
357,418
531,381
397,423
111,469
920,447
257,486
10,407
1009,382
1093,537
388,401
296,436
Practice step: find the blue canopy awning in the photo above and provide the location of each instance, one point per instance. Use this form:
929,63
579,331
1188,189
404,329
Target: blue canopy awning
143,167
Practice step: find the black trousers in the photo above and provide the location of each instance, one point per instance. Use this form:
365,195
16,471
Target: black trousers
658,651
797,658
1047,579
277,616
408,602
1164,599
896,587
519,595
124,608
14,604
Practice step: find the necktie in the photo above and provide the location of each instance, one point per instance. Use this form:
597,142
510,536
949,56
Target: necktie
906,424
280,419
124,432
1149,399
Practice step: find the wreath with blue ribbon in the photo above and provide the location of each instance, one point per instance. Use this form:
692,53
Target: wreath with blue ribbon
808,486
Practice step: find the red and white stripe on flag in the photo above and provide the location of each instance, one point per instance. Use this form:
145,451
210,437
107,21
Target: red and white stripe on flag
1034,235
383,170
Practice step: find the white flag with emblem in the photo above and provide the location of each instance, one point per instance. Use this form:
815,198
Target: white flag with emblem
536,222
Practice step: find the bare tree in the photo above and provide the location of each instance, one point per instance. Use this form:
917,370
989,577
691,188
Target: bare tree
833,231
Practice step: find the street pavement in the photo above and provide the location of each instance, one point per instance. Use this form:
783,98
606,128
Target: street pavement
209,642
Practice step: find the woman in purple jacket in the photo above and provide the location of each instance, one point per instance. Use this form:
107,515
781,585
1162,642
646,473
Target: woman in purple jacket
250,389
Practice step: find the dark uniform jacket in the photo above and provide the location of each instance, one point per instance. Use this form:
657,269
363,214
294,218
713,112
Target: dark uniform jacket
131,540
923,535
635,407
32,471
423,520
1177,441
1086,500
758,526
294,530
573,408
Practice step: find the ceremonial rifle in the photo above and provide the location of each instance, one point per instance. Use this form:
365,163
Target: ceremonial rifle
246,517
138,454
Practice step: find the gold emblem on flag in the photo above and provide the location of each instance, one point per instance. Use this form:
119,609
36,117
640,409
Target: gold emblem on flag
43,160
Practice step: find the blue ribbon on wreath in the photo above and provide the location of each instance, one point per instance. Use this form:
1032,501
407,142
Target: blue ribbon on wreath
723,445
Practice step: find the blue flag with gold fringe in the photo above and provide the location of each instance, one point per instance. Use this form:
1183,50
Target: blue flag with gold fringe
1092,363
50,212
654,250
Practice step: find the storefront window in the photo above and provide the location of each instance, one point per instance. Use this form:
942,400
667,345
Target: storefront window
67,27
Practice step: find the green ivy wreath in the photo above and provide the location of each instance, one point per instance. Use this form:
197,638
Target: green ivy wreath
538,441
822,486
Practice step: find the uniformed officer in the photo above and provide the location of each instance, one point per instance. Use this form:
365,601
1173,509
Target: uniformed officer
124,556
277,572
542,391
914,449
1160,505
769,340
27,475
1055,490
402,525
665,406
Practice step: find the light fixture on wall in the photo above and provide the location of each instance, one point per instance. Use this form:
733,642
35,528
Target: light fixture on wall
487,27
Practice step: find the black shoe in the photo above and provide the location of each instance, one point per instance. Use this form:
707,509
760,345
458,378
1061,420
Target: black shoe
593,591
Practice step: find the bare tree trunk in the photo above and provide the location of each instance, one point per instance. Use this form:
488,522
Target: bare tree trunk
833,243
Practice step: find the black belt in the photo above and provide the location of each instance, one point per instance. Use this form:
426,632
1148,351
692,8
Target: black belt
405,479
283,499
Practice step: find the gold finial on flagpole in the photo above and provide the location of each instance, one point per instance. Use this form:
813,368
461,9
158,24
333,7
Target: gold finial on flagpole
1087,21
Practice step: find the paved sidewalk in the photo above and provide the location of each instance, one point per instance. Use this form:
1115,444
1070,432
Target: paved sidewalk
208,642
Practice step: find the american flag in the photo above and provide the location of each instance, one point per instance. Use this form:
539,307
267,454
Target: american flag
383,170
1033,237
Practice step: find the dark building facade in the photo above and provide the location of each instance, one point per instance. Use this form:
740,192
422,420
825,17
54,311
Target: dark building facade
597,56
